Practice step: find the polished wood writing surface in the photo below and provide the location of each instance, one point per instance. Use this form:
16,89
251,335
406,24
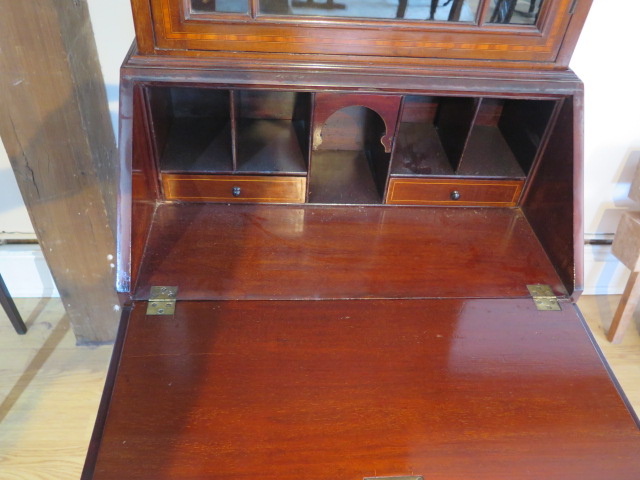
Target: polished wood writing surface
307,252
341,390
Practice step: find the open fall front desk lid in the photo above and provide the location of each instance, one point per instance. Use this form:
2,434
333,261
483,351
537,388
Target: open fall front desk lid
276,365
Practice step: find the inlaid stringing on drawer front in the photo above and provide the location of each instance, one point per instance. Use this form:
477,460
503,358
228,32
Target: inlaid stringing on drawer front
234,188
418,191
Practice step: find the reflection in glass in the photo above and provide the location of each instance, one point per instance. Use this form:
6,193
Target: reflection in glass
436,10
223,6
518,12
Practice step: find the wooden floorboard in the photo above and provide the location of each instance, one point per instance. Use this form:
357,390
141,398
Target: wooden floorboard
50,388
49,394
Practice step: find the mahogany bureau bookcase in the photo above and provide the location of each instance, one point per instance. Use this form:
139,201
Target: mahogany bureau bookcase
351,239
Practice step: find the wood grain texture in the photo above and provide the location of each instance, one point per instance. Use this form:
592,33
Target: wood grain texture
308,252
55,126
552,201
326,104
220,188
623,357
623,317
49,393
329,73
439,191
333,390
50,387
205,34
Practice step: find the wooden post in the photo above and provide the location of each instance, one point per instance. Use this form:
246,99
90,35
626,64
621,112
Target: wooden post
55,126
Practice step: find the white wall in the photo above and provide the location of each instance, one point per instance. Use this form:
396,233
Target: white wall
14,220
114,33
606,59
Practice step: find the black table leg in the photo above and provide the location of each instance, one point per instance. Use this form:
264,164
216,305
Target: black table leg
10,307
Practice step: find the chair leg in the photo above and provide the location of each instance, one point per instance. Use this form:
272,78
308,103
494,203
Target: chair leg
626,309
402,8
11,310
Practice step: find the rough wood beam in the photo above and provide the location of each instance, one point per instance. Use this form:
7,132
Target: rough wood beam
55,126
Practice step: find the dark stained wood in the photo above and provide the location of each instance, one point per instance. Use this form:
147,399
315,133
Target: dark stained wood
294,73
440,191
433,84
198,146
326,104
145,182
418,108
336,342
489,112
341,390
55,125
266,104
454,122
105,400
343,177
313,252
487,154
142,21
220,188
269,146
191,128
9,307
373,41
553,201
345,129
523,124
418,151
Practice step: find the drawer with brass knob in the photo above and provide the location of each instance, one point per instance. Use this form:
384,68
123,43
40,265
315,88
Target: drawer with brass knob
234,188
445,191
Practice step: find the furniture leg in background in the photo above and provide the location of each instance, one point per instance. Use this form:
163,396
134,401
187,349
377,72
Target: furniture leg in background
626,247
10,309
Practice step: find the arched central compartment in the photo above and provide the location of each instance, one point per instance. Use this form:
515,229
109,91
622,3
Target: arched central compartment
349,164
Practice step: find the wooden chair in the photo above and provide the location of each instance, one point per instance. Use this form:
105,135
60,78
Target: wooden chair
626,248
11,310
454,13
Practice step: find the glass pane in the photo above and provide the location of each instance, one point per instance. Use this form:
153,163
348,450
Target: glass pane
518,12
220,6
434,10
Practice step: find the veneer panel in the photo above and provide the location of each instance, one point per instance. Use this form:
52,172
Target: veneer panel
304,252
334,390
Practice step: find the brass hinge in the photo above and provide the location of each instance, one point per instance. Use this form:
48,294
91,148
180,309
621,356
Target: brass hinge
162,301
543,297
572,8
401,477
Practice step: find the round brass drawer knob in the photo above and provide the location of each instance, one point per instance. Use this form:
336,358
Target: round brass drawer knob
455,195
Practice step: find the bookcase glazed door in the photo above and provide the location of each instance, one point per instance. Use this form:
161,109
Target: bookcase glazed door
509,32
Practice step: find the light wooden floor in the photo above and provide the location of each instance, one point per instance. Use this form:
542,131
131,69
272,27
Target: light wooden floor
50,388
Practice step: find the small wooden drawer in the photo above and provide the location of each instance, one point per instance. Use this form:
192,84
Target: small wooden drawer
234,188
442,191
